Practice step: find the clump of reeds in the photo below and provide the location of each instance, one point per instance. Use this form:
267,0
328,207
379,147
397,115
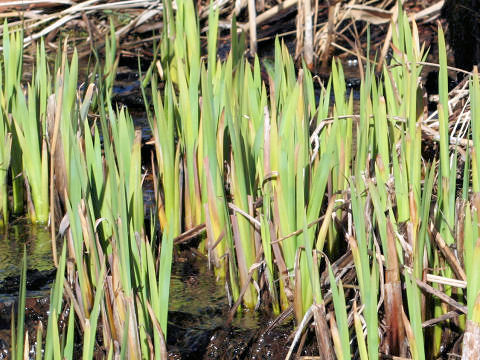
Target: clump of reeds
332,214
112,276
292,200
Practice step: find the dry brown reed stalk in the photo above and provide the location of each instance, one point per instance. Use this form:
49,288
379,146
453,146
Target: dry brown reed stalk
301,327
55,135
32,4
471,340
299,29
308,41
272,12
317,31
388,39
395,338
332,20
324,342
88,15
376,14
252,25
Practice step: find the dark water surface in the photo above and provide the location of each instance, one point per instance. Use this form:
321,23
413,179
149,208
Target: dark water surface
197,317
36,241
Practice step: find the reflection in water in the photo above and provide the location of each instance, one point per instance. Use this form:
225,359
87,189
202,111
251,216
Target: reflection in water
38,245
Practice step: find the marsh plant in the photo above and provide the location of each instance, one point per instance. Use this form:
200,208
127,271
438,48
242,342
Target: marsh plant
306,205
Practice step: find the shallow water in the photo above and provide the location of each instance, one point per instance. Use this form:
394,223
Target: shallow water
37,243
197,318
196,309
198,306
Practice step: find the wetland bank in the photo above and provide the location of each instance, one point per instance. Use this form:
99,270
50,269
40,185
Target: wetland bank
208,203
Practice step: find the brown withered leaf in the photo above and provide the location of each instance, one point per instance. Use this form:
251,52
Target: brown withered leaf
395,330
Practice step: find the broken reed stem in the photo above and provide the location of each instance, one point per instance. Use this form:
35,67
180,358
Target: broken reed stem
265,16
252,27
308,38
471,341
251,271
388,39
303,324
330,32
58,114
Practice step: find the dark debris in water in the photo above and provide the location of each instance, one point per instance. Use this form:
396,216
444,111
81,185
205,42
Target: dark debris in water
36,280
36,311
246,343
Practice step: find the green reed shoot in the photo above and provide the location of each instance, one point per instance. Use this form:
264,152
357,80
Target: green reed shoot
475,99
471,244
12,70
33,143
446,169
5,155
18,336
163,127
342,351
